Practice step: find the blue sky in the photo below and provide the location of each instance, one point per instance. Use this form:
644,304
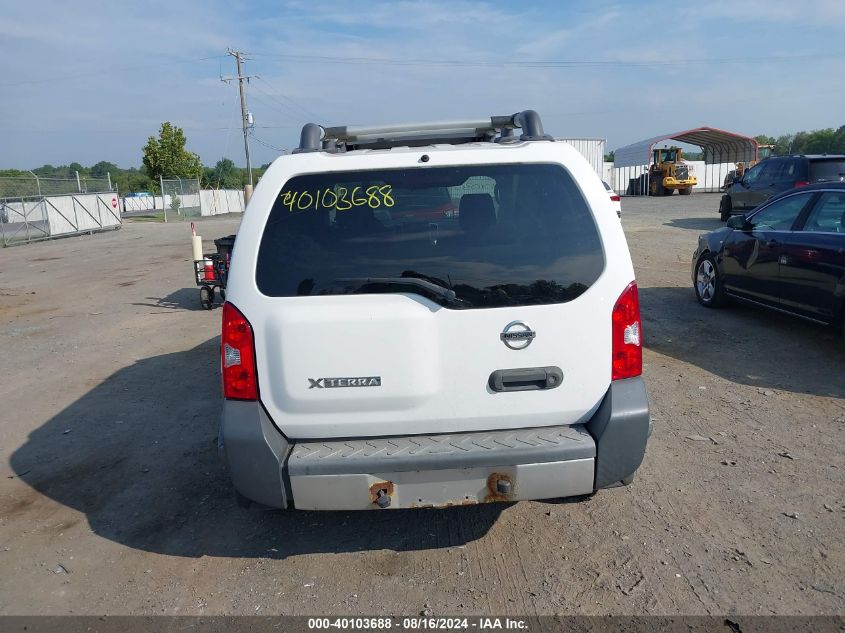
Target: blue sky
88,81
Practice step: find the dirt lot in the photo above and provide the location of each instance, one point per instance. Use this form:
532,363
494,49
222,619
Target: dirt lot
112,499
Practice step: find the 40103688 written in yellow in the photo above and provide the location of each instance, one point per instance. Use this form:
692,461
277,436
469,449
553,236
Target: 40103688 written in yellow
339,198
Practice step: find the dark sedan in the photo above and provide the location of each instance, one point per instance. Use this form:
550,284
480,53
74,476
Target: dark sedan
788,255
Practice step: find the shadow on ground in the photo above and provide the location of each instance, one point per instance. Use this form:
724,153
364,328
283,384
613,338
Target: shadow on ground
137,455
697,224
182,299
748,345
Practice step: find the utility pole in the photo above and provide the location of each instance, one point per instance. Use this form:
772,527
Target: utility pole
245,122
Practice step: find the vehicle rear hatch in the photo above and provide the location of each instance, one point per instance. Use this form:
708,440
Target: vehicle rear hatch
832,168
389,314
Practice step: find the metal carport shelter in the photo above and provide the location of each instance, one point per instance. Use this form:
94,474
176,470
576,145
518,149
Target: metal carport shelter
721,150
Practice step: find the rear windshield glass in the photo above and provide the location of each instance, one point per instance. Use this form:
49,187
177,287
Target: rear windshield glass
827,170
465,237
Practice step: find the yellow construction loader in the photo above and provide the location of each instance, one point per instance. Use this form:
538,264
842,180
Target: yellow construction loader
763,151
669,171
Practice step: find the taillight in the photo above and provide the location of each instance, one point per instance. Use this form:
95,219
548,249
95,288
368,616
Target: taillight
237,354
627,335
616,198
801,183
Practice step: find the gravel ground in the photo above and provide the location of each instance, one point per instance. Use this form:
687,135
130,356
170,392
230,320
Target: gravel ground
113,501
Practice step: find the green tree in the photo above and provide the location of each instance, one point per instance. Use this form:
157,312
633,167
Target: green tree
225,175
102,168
166,155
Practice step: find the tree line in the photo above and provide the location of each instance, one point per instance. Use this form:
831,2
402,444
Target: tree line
164,156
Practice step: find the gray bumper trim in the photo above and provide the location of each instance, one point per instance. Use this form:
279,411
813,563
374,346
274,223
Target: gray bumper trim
262,461
438,452
255,451
621,427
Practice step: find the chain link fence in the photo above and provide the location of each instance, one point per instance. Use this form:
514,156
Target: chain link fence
16,186
181,198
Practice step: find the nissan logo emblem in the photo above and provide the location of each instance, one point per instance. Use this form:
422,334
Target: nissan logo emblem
517,335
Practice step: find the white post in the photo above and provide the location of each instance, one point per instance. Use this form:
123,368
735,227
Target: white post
163,203
108,175
78,184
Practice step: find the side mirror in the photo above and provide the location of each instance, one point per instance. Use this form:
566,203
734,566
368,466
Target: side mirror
738,222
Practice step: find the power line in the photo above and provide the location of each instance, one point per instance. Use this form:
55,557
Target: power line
266,144
104,71
275,104
308,113
386,61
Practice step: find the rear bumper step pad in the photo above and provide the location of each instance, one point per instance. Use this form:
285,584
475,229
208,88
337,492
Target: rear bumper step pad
437,452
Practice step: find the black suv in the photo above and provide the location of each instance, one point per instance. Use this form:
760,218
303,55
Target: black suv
776,174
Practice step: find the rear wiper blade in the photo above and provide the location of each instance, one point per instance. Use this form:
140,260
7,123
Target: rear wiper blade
436,289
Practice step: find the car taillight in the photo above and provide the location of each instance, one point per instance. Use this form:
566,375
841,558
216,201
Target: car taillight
237,354
627,335
616,198
801,183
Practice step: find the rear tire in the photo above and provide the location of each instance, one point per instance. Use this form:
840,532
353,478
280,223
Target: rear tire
708,283
725,208
685,191
668,192
655,187
206,297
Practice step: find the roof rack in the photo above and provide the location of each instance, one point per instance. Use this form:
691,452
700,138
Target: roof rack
498,129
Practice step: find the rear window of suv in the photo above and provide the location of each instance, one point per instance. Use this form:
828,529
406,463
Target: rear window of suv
827,170
465,237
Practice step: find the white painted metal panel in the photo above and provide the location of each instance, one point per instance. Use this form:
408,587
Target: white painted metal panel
593,149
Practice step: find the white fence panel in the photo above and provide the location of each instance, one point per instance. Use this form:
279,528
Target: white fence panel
14,211
593,149
140,203
219,201
78,213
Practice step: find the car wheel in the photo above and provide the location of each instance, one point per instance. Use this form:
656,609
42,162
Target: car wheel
725,208
708,283
686,191
668,192
206,297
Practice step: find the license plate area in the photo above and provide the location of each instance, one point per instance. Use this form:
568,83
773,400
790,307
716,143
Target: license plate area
443,488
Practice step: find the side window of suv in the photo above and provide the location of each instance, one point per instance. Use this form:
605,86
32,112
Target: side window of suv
772,170
753,174
789,170
780,215
828,216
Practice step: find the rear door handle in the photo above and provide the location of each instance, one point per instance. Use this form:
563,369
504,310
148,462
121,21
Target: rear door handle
525,379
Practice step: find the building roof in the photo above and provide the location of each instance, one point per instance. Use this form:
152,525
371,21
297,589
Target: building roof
719,146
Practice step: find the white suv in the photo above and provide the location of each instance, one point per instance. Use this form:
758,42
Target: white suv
430,315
